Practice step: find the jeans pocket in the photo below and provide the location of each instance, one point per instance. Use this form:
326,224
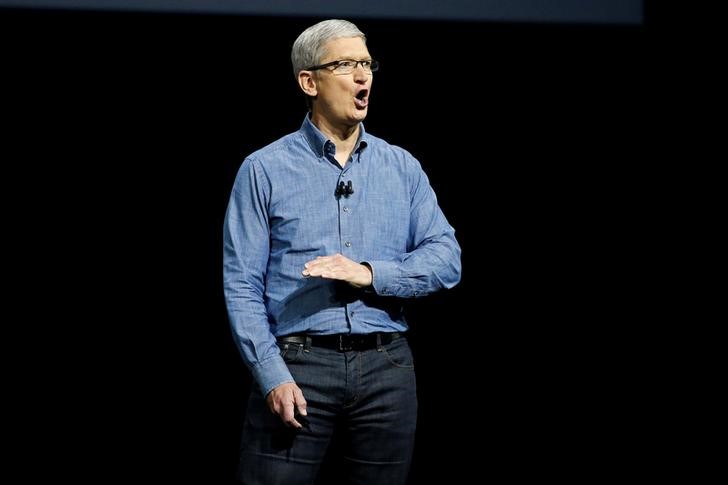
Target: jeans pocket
290,352
399,355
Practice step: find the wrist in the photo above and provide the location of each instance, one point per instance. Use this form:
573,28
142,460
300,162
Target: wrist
367,277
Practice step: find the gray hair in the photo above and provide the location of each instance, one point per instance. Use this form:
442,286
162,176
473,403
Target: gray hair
308,50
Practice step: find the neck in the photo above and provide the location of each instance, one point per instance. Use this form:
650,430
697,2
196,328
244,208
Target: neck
344,137
337,133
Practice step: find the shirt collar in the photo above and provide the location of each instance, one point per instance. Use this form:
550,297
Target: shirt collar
318,141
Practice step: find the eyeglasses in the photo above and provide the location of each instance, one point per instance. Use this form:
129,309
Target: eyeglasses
347,66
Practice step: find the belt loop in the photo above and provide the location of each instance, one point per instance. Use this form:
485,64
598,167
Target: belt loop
379,342
307,344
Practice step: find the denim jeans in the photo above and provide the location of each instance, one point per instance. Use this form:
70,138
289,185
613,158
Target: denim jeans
367,398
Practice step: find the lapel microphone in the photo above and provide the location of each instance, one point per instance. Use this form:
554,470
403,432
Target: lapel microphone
345,190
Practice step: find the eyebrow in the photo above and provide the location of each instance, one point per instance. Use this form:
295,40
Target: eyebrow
352,58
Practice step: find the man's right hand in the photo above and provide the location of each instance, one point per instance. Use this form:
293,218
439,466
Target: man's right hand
284,400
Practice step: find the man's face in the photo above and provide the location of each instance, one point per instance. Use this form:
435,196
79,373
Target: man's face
343,98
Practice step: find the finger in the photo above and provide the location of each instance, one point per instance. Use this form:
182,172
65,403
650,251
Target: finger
321,260
316,270
309,268
287,415
300,402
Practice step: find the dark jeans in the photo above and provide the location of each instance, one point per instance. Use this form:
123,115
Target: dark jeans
367,398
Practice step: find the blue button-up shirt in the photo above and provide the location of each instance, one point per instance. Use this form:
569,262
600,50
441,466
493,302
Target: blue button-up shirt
284,212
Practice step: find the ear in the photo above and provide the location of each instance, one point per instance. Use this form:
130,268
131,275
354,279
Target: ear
307,83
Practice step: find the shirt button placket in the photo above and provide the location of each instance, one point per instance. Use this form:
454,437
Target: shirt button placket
344,220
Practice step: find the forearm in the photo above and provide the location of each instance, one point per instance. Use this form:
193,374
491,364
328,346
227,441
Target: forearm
256,343
433,266
244,289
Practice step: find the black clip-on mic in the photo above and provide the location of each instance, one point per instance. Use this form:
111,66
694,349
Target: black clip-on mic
345,190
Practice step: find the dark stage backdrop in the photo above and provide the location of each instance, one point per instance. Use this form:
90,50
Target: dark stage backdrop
531,134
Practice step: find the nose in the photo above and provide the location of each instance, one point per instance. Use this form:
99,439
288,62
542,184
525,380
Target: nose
360,75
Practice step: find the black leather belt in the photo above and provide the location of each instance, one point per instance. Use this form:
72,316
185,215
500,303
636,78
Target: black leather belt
343,342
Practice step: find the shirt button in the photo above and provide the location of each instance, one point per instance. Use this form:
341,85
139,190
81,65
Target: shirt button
347,244
346,209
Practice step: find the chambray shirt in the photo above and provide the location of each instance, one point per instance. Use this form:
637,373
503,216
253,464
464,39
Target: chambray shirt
284,211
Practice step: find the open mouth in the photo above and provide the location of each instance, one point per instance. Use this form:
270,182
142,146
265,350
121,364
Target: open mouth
362,98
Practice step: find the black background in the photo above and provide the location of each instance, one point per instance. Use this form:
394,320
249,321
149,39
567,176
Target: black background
131,130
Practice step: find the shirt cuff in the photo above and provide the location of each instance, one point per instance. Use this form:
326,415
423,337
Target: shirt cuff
384,276
271,374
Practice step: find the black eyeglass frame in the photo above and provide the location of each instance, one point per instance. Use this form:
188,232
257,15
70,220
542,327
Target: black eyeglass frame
373,65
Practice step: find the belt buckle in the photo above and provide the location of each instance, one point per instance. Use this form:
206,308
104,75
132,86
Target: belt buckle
345,343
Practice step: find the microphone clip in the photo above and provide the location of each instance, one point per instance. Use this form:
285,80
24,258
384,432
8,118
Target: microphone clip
344,189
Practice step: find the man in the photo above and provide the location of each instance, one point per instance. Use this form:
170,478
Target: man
326,230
